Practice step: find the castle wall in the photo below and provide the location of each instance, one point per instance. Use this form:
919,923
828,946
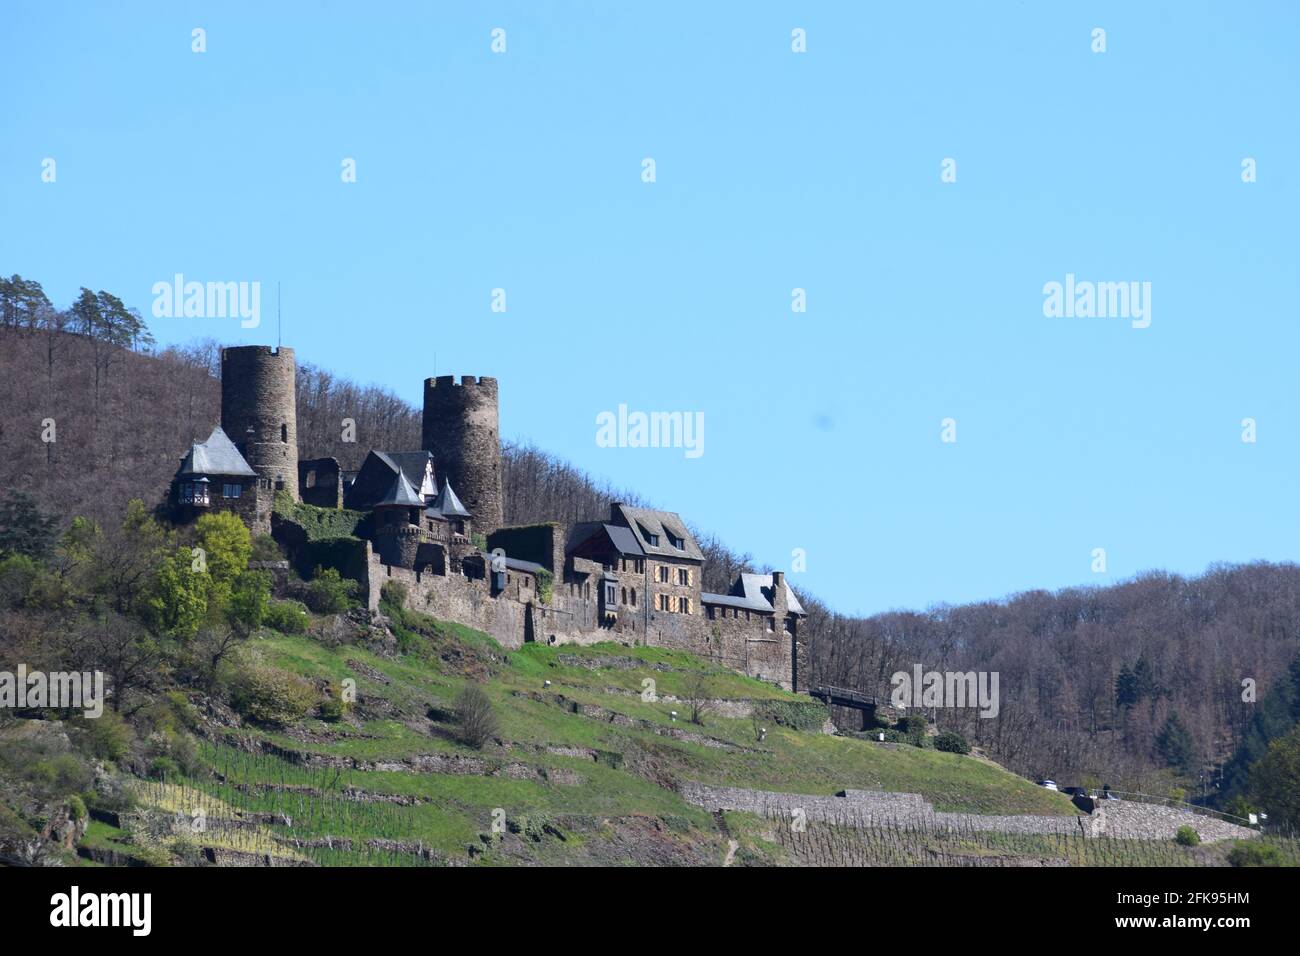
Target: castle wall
516,615
259,412
461,429
320,482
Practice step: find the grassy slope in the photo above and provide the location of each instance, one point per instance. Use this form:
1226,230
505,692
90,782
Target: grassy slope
631,779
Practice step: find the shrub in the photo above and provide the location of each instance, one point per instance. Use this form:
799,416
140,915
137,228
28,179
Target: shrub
265,549
545,585
17,573
163,767
271,696
393,593
1252,853
1186,836
76,808
951,742
109,736
287,617
911,730
807,715
475,718
329,592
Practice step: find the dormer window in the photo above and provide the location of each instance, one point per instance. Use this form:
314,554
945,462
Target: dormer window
676,542
652,540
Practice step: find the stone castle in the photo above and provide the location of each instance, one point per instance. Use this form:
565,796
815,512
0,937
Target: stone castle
435,523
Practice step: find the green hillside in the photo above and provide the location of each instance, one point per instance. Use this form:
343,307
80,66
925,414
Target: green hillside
582,770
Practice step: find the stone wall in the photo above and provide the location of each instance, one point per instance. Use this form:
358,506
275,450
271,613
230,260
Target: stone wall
320,482
877,808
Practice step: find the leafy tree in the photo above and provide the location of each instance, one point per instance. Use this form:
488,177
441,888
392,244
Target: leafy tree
250,599
227,546
177,604
23,528
125,557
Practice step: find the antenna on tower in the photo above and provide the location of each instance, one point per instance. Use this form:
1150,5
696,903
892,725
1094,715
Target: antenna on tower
279,337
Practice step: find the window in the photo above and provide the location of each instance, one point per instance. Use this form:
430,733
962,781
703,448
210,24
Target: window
652,539
662,573
676,542
231,491
624,596
684,605
771,625
711,612
284,433
634,597
684,576
663,602
611,595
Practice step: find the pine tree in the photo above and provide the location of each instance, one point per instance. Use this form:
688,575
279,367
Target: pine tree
1174,744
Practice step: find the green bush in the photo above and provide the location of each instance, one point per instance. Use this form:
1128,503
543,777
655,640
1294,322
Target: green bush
1251,853
17,574
951,742
545,585
287,617
807,715
1187,836
269,695
109,736
76,807
393,593
265,549
911,730
329,592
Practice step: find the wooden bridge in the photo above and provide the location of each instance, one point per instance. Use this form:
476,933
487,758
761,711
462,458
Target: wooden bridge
846,697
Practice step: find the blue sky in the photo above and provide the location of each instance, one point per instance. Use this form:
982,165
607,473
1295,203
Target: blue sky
774,170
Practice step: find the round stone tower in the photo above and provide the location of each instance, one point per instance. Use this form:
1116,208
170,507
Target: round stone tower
258,410
461,429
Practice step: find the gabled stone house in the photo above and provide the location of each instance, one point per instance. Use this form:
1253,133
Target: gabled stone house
213,476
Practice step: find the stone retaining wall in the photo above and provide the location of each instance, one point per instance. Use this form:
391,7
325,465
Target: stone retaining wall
878,808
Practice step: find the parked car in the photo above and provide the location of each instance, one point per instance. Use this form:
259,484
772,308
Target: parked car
1047,784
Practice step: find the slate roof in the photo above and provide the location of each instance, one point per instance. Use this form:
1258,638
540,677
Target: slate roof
410,463
447,504
624,541
216,456
661,523
761,585
754,592
401,494
732,600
